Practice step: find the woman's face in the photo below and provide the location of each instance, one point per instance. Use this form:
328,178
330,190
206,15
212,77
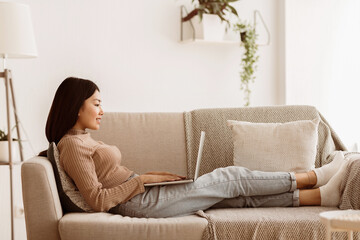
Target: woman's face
90,113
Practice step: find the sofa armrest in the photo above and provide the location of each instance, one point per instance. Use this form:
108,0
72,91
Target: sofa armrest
41,200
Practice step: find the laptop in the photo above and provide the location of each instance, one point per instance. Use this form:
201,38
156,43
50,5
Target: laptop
197,169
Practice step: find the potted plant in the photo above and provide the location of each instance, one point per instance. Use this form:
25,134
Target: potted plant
248,38
212,14
4,147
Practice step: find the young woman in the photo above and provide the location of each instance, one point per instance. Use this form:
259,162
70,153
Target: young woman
108,186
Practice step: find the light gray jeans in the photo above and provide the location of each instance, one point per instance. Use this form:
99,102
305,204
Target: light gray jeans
233,186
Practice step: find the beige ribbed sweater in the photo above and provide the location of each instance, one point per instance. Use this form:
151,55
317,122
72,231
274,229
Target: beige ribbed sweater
96,170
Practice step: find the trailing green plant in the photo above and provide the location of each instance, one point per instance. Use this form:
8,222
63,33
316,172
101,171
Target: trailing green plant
248,37
218,7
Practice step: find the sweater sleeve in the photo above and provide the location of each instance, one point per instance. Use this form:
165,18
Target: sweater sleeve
77,162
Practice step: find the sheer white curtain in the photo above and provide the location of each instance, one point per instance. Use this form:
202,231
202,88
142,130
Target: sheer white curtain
343,90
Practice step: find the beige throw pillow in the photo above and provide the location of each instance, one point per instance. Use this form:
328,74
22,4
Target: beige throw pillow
288,147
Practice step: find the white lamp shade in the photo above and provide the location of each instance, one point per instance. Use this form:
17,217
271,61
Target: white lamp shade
16,31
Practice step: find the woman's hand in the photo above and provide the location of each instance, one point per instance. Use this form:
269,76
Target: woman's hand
154,177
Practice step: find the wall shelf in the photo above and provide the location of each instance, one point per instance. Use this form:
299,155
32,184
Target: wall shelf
202,41
188,33
7,164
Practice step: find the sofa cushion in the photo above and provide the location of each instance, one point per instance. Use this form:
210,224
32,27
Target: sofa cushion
296,223
70,197
88,226
288,147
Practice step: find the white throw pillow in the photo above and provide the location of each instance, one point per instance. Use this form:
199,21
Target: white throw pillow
287,147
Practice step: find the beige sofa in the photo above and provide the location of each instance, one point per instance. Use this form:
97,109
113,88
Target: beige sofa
160,141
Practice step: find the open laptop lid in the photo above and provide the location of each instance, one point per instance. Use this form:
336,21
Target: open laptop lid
197,168
198,160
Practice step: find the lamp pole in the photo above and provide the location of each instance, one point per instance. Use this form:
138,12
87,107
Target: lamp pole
6,72
5,75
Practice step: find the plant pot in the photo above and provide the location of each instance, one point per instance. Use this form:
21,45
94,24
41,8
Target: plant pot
4,151
211,28
243,36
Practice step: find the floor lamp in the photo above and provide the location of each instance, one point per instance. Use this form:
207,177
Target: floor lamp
16,41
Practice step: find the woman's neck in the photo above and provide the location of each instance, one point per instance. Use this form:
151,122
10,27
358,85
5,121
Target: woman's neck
76,131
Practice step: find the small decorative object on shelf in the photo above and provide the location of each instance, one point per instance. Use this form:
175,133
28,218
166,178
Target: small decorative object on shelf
216,7
212,18
248,38
3,136
192,31
4,148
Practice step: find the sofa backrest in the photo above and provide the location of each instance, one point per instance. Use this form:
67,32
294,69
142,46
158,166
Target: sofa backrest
218,148
147,141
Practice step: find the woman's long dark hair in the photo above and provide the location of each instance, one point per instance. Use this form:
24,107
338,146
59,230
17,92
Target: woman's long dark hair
69,98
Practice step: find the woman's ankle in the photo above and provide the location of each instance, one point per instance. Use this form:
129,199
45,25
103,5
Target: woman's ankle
306,180
310,197
312,178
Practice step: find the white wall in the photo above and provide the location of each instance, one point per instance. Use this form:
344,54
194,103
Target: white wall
131,50
322,47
